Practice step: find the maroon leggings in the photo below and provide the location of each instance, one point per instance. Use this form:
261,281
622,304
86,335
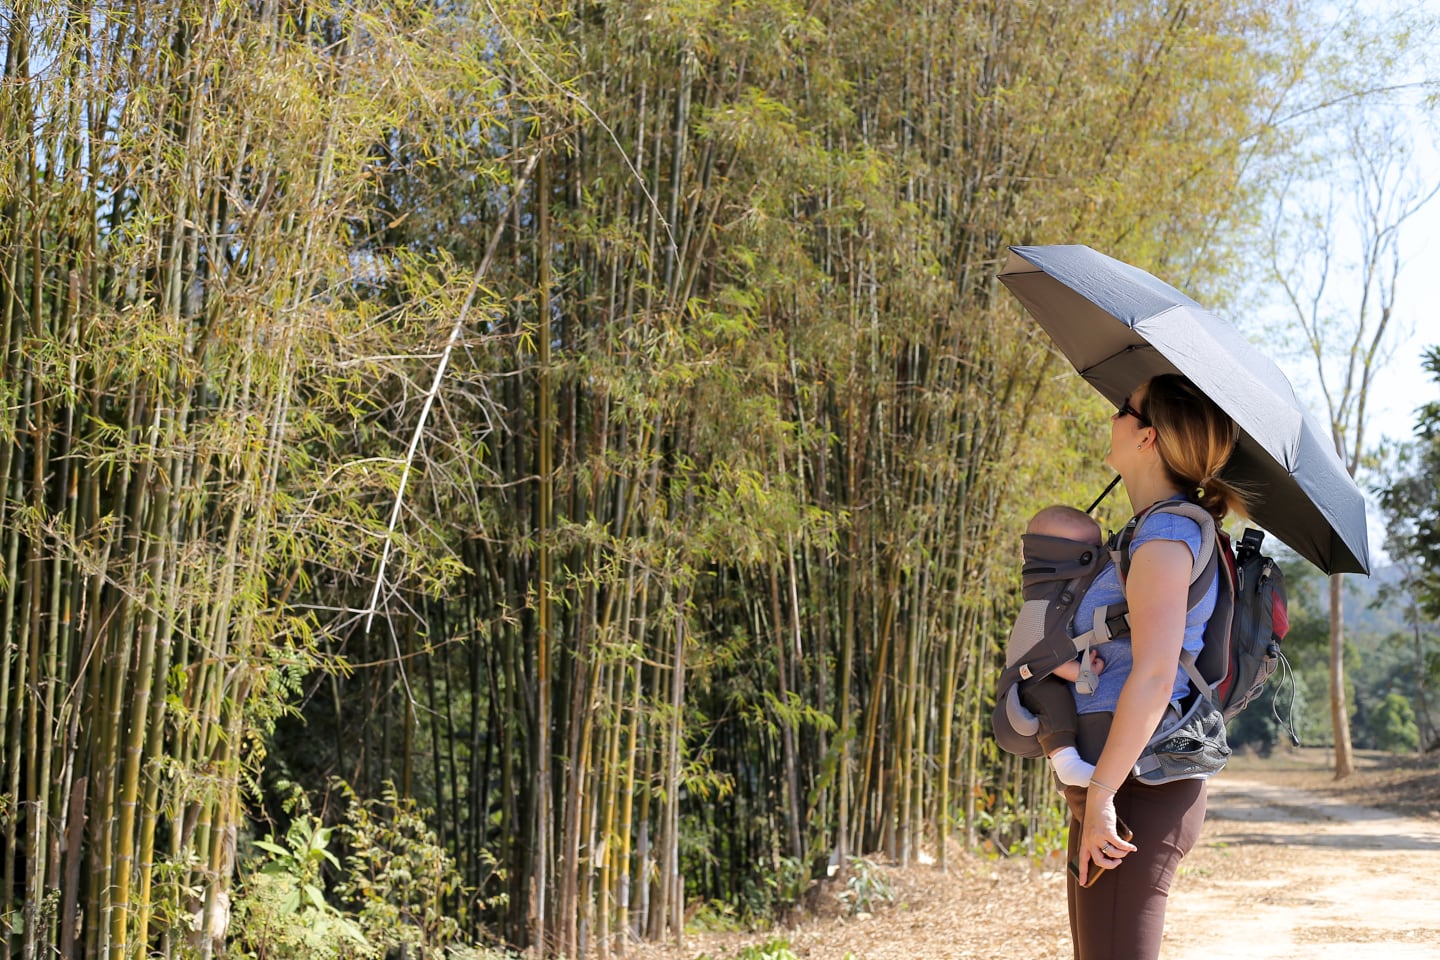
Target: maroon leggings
1121,916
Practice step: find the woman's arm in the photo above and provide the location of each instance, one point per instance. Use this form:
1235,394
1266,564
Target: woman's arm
1157,592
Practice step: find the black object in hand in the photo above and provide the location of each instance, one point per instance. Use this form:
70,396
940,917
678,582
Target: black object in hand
1126,834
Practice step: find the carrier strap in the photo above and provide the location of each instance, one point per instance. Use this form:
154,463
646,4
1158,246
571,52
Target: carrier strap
1114,620
1202,574
1120,552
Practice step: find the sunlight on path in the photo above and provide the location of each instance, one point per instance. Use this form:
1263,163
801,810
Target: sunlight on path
1282,873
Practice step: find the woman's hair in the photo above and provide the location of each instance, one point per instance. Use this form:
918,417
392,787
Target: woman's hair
1194,438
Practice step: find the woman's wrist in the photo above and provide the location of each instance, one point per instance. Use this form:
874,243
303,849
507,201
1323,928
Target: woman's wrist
1103,787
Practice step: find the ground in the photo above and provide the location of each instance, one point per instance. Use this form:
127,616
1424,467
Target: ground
1292,864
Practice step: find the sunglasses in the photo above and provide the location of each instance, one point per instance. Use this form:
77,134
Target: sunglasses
1127,410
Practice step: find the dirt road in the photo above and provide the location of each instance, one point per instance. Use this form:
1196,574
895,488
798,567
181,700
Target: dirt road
1283,873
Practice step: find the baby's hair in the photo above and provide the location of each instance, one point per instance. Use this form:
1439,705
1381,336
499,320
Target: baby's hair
1060,520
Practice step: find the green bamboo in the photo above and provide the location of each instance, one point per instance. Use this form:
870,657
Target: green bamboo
730,427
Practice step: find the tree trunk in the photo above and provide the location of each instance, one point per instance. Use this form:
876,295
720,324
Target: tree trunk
1339,710
1427,727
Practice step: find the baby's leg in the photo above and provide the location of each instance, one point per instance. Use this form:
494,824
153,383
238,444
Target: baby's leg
1050,699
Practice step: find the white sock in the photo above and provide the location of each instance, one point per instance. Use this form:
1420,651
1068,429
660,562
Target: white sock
1071,770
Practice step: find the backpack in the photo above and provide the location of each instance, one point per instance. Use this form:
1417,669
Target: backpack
1239,652
1241,647
1244,659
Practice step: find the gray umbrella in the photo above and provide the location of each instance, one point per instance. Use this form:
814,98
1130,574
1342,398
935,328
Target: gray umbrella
1119,326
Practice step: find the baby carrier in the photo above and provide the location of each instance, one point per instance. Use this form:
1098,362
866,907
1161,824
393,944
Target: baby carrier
1237,655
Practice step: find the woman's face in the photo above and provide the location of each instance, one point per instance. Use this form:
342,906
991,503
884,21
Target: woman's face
1127,430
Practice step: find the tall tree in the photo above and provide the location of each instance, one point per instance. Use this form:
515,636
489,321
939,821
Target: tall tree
1345,305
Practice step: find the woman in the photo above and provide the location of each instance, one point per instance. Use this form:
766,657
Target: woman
1167,441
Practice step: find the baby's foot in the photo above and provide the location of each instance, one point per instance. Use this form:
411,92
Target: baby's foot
1070,768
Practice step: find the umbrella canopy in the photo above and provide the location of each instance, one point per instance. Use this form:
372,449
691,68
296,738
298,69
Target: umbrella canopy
1119,326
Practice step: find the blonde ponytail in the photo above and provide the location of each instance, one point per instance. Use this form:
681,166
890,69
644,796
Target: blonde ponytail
1195,439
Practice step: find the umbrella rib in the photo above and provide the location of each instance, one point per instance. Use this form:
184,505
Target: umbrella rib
1129,348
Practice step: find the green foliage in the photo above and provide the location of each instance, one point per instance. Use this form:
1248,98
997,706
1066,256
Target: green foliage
717,916
1012,825
462,952
186,237
787,881
398,878
776,948
866,886
1392,725
1409,493
281,910
393,888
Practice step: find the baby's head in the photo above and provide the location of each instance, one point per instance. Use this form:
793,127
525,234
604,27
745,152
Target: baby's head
1066,523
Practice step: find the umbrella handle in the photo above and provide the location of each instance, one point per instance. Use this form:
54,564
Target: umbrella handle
1103,494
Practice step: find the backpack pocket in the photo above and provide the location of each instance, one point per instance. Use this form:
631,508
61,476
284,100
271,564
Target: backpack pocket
1187,746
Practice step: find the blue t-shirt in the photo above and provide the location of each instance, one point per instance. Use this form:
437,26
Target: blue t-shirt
1105,589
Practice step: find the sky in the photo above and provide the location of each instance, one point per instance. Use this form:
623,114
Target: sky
1401,384
1404,384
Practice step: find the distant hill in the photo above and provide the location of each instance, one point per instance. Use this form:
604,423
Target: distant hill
1366,616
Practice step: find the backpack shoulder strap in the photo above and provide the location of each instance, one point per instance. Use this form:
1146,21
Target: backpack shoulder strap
1202,573
1183,508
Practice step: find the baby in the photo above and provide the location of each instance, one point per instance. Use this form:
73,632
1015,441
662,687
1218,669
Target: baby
1050,697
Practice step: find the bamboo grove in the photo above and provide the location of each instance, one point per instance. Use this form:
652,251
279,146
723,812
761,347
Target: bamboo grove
705,544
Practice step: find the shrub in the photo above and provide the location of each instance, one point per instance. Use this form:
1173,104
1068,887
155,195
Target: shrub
281,912
1393,726
866,885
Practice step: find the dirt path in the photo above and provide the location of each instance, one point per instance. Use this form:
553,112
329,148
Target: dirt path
1282,872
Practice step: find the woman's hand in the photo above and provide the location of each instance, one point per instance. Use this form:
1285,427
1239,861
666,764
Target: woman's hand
1100,842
